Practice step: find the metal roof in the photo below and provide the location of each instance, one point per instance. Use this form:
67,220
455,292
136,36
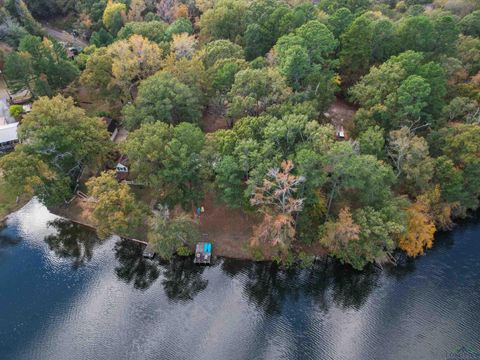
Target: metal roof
8,133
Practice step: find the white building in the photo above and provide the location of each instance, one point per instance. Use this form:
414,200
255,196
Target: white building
8,136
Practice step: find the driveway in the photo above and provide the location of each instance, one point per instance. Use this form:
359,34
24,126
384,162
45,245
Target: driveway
63,36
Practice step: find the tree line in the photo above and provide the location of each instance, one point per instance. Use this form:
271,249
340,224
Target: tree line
270,69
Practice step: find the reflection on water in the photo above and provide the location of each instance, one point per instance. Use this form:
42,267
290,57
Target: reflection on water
66,295
71,241
182,280
133,267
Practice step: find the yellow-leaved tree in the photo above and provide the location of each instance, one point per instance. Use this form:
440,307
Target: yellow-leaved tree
421,230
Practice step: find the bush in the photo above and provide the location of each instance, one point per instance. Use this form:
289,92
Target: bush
16,111
184,251
305,259
257,253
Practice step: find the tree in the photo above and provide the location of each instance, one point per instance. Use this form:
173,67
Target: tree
468,51
183,45
168,158
372,142
18,70
254,90
115,209
470,24
19,10
162,97
167,236
101,38
228,180
295,65
384,41
420,230
411,98
366,236
446,34
41,66
179,26
379,229
362,177
122,65
276,200
460,108
226,20
133,60
25,173
151,30
356,49
219,50
222,75
318,41
337,234
97,75
135,12
416,33
61,136
339,21
410,157
114,16
190,72
403,91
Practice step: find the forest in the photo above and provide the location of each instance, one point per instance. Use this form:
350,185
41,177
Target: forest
232,98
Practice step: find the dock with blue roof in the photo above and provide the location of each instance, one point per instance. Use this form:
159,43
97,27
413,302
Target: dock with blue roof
203,253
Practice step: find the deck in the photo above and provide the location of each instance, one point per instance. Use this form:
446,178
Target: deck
203,253
149,252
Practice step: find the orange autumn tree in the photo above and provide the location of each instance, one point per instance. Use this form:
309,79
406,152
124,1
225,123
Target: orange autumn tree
421,229
339,233
276,200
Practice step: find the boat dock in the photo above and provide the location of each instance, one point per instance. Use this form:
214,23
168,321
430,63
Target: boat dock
149,252
203,253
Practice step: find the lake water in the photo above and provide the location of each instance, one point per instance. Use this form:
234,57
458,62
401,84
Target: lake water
65,295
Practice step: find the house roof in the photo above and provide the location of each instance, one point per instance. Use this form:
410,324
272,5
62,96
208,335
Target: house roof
8,133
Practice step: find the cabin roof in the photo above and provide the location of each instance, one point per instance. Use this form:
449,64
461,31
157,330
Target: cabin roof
8,133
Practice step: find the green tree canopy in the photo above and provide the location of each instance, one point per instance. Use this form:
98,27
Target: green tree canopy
168,158
162,97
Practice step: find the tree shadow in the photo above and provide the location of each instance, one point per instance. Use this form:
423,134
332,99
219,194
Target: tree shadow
267,286
72,241
183,279
351,288
133,267
325,283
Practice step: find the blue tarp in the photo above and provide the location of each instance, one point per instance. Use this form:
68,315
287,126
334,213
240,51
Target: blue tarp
207,247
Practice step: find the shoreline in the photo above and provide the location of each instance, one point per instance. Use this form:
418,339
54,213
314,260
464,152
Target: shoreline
228,246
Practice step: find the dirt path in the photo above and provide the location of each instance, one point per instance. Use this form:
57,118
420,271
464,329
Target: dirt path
341,113
63,36
212,122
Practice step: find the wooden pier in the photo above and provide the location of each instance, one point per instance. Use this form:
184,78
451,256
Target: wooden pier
149,252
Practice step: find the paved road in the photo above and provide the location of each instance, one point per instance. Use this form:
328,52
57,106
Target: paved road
62,35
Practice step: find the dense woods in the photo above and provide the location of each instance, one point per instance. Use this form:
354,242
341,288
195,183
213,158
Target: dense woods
407,164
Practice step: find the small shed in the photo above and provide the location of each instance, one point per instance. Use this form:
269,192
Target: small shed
121,169
203,253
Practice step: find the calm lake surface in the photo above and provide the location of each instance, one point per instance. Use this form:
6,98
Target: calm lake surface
65,295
